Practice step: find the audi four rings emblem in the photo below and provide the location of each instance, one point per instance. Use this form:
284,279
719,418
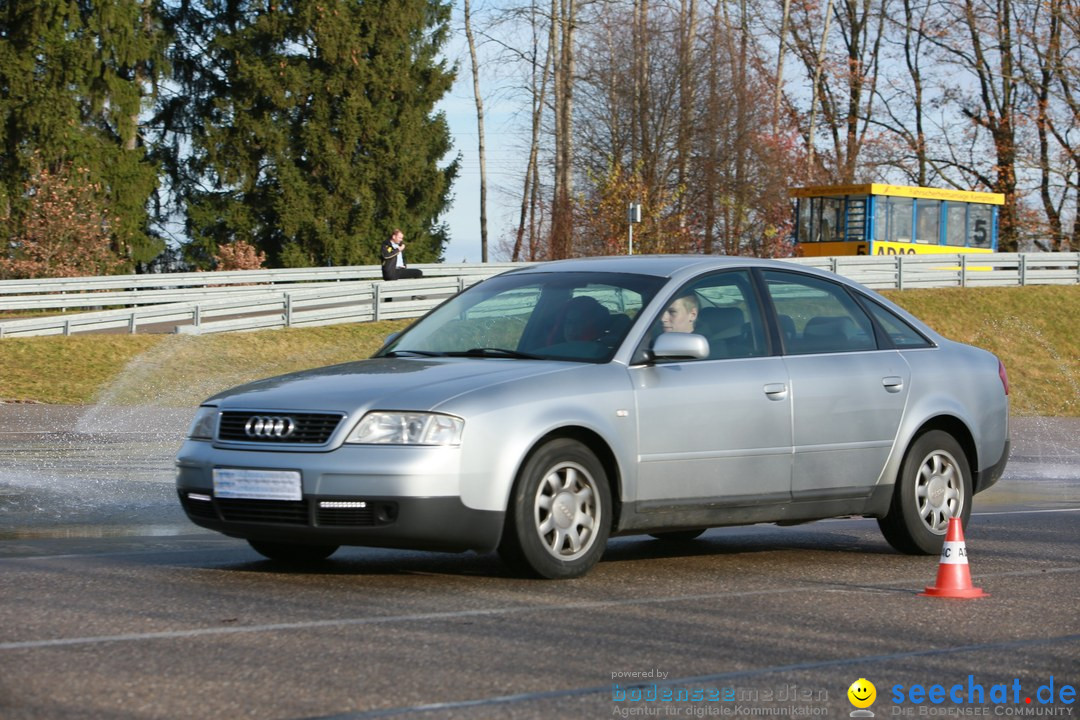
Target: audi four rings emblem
270,426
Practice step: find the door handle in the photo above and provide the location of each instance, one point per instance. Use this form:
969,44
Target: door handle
893,383
776,391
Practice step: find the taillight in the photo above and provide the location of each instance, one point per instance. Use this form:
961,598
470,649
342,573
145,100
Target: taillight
1004,376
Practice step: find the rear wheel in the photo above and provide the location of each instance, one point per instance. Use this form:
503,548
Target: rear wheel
934,485
559,515
291,552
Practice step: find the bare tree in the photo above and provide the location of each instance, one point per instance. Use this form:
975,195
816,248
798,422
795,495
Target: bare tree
564,14
1042,35
538,76
905,97
471,40
687,97
843,77
659,100
1067,65
978,42
711,152
1050,74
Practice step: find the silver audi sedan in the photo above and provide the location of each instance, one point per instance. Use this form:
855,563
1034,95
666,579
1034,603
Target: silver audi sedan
548,408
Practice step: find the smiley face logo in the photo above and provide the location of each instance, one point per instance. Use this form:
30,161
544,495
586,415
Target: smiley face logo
862,693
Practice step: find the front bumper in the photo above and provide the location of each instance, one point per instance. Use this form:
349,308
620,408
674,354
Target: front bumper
440,523
381,497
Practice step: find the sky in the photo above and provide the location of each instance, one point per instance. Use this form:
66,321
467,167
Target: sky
504,159
463,219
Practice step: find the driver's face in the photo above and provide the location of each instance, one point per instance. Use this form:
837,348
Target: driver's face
679,317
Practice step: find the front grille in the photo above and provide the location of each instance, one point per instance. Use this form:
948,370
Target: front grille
280,512
372,514
348,516
311,428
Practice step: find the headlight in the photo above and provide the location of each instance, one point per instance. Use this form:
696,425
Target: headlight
401,428
204,426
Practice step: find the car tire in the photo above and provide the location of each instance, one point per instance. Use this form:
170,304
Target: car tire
934,485
678,536
559,515
291,552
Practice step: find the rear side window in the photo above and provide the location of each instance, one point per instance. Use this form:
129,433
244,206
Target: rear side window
817,316
902,335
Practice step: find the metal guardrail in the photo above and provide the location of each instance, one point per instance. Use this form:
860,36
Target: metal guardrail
133,290
298,306
197,303
903,272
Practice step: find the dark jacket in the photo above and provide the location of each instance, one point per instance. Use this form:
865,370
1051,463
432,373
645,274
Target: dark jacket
389,256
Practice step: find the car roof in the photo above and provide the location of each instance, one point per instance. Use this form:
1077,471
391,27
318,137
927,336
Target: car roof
658,265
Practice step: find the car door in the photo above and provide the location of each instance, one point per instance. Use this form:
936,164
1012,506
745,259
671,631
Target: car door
848,396
715,432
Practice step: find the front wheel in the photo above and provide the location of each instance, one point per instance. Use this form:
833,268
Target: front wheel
934,485
560,512
292,553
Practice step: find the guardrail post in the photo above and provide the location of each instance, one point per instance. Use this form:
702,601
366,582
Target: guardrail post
1022,267
67,327
131,323
375,302
899,272
963,269
196,315
288,309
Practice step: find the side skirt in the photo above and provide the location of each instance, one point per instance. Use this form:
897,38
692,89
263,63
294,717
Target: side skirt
637,517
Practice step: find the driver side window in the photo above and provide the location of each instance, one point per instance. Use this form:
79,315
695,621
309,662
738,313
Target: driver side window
723,309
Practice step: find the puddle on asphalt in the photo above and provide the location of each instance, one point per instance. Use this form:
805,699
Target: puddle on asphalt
116,480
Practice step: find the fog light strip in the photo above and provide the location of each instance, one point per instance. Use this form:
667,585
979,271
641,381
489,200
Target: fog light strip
339,504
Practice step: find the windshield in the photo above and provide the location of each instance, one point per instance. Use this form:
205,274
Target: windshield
551,316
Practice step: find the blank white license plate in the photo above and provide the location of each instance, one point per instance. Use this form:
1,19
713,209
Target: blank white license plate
257,484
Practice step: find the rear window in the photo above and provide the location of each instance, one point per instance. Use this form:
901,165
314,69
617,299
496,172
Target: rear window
902,335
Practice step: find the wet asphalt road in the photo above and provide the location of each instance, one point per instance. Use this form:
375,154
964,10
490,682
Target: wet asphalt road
113,606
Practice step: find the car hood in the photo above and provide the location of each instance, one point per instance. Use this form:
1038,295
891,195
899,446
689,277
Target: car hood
385,383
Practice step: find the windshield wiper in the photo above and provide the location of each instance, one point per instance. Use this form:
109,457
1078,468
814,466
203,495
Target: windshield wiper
493,352
407,353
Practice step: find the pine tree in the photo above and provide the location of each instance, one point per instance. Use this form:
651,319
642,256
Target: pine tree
312,127
74,76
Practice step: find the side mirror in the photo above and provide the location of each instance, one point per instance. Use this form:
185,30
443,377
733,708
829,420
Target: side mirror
680,346
390,338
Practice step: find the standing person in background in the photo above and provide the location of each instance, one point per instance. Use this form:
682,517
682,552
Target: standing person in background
393,258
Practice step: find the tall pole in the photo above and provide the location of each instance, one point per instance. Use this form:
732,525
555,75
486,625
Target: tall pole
633,215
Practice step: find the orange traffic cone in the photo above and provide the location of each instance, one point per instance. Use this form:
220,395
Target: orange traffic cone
954,578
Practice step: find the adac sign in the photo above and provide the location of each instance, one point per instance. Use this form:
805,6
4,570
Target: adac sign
883,247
